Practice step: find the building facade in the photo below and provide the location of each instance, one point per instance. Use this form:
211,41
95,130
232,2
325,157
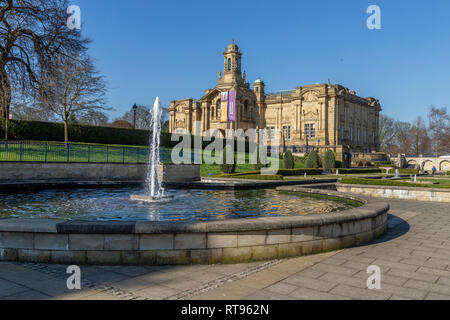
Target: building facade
320,116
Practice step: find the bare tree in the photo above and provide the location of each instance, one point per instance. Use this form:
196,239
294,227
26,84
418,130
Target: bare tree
387,131
439,127
71,88
5,99
94,118
32,34
143,117
419,136
403,137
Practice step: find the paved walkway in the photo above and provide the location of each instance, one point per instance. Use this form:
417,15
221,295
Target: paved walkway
414,257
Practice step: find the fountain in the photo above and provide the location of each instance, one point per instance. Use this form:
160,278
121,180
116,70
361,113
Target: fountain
154,191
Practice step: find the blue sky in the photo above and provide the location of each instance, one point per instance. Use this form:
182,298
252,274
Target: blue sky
173,49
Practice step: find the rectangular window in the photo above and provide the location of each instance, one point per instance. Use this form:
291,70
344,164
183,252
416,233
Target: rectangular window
342,133
351,133
270,132
287,132
310,131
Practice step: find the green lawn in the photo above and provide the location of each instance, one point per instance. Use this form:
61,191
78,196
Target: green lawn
207,170
89,152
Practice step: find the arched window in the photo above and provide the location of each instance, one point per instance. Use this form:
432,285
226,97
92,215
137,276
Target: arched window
229,64
217,109
246,108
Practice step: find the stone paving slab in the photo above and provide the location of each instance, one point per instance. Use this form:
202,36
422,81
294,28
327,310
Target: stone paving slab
414,258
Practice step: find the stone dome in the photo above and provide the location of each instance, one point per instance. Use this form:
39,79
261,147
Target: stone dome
232,47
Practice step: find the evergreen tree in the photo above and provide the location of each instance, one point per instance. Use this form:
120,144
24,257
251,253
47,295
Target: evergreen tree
288,160
313,160
328,160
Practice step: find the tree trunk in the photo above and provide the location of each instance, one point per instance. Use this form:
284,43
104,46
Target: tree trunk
5,99
6,128
66,133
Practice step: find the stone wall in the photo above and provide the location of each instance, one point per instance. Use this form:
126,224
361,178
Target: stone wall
48,171
179,173
407,193
11,171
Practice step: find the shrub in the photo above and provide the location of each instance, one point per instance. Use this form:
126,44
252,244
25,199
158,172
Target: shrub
261,177
258,165
299,172
227,167
383,164
405,171
379,182
288,160
358,171
313,160
51,131
328,160
366,162
338,164
448,173
237,174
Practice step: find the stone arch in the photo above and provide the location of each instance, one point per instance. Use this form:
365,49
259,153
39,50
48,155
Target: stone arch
444,165
413,163
427,165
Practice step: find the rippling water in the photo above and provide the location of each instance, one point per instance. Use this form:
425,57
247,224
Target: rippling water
114,204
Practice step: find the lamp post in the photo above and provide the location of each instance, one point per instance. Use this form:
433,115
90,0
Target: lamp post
134,115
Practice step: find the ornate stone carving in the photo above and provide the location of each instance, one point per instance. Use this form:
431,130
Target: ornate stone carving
310,96
180,123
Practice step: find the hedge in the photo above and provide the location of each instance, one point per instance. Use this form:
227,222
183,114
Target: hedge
383,163
378,182
24,130
281,172
299,172
405,171
261,177
358,171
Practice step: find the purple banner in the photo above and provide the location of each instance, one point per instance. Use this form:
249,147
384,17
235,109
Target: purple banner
232,106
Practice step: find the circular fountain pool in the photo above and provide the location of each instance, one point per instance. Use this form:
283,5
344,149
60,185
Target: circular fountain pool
106,204
104,226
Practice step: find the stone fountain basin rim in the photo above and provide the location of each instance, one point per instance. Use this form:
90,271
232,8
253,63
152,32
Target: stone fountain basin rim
370,209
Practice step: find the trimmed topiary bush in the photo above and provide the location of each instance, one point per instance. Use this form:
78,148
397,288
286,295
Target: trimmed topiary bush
258,165
288,160
328,160
227,167
313,160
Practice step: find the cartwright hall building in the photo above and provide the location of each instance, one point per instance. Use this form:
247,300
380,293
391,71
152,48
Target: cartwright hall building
319,116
